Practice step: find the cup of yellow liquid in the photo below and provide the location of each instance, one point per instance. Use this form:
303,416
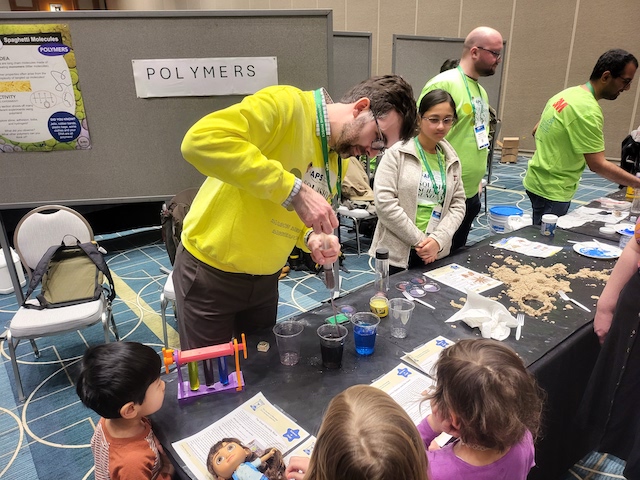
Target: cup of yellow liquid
379,304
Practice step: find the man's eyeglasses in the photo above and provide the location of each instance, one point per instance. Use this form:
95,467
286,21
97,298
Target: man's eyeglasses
498,55
625,80
379,143
446,121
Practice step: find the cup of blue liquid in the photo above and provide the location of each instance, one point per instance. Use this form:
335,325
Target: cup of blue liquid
365,327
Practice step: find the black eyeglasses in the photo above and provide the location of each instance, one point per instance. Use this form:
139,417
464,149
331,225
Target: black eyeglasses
379,143
498,55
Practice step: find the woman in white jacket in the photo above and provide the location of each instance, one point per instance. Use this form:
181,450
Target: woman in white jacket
419,196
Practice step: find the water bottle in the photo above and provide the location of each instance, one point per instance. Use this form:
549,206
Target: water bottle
382,270
634,211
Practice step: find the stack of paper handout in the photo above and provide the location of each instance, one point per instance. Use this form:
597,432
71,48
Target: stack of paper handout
491,317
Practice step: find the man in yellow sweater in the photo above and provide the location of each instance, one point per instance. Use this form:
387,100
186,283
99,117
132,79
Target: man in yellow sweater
274,168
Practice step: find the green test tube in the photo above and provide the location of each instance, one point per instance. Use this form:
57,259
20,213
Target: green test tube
194,381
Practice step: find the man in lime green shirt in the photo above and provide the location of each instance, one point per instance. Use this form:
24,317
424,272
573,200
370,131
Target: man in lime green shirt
481,55
274,167
569,137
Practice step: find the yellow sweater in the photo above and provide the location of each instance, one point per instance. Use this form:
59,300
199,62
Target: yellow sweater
251,153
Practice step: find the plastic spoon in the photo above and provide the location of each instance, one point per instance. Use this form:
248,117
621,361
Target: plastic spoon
566,298
413,299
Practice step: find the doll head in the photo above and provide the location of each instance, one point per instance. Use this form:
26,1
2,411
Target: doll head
226,456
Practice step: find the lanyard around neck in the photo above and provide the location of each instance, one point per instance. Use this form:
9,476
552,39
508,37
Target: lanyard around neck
423,157
590,87
466,84
322,123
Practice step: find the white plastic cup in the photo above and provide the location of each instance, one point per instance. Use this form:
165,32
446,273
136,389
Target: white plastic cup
624,239
548,225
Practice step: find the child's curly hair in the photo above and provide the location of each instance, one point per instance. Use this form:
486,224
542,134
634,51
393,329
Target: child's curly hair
273,468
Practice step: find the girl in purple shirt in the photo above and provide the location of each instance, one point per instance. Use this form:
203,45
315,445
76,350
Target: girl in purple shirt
490,403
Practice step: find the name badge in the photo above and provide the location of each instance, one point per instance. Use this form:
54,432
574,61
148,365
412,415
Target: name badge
434,221
482,138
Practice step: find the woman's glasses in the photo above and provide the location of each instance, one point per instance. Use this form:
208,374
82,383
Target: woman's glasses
446,121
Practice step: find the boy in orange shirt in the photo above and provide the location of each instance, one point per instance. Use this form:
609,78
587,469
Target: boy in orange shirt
121,382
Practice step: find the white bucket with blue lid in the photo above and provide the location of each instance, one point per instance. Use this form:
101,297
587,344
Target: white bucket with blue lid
500,215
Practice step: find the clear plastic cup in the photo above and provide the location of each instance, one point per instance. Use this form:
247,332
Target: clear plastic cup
400,311
288,339
379,304
332,344
365,329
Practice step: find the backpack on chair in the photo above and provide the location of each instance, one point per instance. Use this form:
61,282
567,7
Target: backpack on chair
69,275
172,218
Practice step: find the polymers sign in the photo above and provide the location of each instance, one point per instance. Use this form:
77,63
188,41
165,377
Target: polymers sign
203,76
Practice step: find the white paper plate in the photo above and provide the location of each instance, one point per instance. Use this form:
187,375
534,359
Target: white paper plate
623,226
593,250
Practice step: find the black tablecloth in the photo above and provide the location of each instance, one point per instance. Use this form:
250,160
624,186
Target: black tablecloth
561,353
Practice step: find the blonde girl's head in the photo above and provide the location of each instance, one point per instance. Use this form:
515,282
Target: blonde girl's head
366,435
485,387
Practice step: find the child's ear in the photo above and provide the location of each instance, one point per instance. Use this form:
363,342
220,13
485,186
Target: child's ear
129,410
454,425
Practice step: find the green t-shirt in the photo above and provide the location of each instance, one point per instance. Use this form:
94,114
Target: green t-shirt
427,196
462,136
570,126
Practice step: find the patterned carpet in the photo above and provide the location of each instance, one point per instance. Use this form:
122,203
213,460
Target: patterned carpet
47,437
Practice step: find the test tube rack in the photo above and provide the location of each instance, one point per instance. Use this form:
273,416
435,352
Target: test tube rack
234,380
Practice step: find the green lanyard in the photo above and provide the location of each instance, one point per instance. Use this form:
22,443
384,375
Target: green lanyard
466,84
322,122
423,157
590,87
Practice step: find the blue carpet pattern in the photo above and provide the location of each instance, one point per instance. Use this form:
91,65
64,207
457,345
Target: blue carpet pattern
47,437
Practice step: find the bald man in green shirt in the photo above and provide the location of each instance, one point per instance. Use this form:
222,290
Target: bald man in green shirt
569,137
481,55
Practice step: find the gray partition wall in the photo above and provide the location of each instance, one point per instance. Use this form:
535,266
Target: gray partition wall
351,61
135,154
419,59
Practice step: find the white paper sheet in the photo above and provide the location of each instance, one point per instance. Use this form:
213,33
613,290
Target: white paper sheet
582,215
302,450
256,420
526,247
425,356
462,278
405,385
